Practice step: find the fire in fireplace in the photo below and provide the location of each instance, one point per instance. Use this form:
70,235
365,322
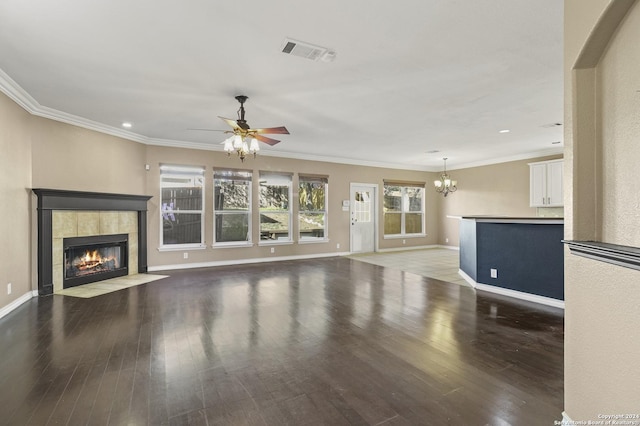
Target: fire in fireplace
94,258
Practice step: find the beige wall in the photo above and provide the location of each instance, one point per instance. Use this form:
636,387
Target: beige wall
15,199
340,177
74,158
498,189
602,190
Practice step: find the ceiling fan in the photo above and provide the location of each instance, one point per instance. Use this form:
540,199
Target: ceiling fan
243,132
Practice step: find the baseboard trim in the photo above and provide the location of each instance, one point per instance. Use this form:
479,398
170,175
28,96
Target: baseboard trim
405,248
241,261
432,246
16,303
548,301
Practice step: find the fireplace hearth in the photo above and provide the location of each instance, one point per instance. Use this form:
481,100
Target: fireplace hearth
94,258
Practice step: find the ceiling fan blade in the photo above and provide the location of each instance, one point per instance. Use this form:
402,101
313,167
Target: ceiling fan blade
232,123
273,130
266,140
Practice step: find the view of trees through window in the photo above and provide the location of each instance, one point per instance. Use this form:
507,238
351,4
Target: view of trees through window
312,208
182,211
275,213
232,207
403,210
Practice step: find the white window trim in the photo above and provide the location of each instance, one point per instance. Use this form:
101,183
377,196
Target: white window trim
313,240
232,244
289,240
249,212
182,247
403,212
274,243
324,239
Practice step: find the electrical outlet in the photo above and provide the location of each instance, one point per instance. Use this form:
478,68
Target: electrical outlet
273,249
404,241
9,288
185,255
338,245
446,240
494,273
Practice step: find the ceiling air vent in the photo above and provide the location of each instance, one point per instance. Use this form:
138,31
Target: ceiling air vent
307,50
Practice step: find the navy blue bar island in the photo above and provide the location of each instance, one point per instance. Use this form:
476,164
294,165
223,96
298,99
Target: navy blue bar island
517,257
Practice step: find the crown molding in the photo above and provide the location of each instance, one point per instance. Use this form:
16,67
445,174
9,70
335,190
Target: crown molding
507,159
14,91
56,115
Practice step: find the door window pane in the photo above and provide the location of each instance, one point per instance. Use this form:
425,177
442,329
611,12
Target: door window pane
362,208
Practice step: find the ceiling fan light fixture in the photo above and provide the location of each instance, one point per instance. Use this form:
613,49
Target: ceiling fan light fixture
244,139
254,147
237,142
228,145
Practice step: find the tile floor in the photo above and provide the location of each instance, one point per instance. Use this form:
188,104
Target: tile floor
108,286
441,264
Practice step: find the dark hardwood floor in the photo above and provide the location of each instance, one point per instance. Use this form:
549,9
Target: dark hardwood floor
329,341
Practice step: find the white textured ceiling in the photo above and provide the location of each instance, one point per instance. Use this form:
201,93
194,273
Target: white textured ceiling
409,76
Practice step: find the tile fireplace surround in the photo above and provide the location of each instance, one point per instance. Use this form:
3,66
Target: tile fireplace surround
64,214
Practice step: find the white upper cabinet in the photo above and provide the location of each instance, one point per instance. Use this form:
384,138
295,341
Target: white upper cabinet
546,184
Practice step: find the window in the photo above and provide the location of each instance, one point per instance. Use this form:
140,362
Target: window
275,207
312,209
403,209
182,206
232,206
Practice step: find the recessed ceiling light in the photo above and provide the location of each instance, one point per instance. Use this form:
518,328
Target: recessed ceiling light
504,131
127,125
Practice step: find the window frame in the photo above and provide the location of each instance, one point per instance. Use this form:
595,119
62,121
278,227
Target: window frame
288,178
181,171
405,209
321,180
235,175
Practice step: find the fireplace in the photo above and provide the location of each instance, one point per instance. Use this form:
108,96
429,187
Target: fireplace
94,258
66,215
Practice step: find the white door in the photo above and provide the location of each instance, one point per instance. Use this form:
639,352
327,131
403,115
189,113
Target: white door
363,217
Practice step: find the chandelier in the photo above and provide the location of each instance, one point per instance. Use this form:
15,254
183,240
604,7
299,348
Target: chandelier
238,143
445,185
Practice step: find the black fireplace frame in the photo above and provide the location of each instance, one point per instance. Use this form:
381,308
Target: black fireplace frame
55,199
120,239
